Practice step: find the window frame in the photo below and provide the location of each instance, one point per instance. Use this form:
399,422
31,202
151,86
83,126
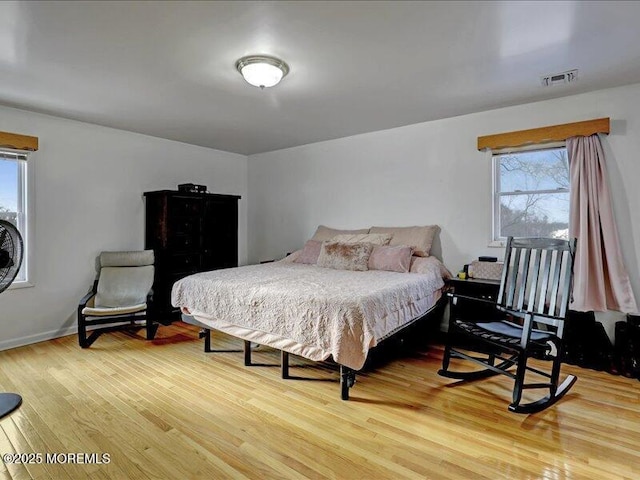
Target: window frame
25,217
496,239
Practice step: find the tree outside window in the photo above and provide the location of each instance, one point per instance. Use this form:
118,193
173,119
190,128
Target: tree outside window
531,197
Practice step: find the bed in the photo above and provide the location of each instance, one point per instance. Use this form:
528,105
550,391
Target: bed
314,312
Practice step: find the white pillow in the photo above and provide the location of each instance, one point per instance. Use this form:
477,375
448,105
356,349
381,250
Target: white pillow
420,238
373,238
325,233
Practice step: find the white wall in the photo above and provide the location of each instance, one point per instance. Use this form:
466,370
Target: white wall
89,182
430,173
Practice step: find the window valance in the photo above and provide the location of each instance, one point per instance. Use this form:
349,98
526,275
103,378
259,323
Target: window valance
554,133
16,141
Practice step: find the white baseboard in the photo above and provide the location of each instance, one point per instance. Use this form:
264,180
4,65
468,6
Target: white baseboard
43,337
38,337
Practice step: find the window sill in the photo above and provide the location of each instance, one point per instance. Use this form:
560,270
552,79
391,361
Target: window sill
22,284
497,244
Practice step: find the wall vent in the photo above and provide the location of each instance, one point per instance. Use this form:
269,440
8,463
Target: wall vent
559,78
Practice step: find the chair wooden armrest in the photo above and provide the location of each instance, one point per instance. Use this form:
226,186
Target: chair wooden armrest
90,294
486,301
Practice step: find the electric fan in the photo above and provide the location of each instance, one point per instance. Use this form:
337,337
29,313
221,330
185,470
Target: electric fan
10,261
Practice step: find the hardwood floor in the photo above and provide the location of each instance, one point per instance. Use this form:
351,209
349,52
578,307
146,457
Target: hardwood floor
166,410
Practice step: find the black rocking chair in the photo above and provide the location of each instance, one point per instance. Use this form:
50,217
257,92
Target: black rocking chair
534,295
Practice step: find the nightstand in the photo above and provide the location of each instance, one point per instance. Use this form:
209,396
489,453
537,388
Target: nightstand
472,287
467,309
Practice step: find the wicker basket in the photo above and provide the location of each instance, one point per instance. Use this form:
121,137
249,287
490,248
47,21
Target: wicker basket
488,270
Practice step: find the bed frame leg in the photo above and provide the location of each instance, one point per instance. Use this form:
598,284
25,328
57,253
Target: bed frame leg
206,334
247,353
285,364
347,380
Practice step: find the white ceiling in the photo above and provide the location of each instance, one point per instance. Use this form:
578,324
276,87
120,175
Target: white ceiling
167,69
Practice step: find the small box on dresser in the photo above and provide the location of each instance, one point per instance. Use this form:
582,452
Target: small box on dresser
189,233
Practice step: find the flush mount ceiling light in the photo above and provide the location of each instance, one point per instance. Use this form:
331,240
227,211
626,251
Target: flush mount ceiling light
262,70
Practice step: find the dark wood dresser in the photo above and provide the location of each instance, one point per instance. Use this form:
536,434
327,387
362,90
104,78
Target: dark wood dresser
189,233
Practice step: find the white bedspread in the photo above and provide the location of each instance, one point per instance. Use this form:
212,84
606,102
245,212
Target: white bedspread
331,312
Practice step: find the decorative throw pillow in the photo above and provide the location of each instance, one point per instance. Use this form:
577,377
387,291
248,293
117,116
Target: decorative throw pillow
325,233
310,252
292,257
345,256
391,259
374,238
420,238
427,265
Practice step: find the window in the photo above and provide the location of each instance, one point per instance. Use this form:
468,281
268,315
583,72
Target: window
13,199
531,194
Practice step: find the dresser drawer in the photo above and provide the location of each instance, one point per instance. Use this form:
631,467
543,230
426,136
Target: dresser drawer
183,243
469,309
184,263
178,276
184,226
484,289
185,207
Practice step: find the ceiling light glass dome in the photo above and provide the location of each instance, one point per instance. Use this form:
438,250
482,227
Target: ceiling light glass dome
261,70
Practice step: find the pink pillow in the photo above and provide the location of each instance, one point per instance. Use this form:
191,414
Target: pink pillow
391,259
309,253
427,265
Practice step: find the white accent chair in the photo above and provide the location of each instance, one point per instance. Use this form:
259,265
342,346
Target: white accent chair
119,297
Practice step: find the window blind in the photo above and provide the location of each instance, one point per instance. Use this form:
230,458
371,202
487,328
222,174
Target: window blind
9,155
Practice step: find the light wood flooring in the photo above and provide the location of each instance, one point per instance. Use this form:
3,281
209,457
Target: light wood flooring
167,410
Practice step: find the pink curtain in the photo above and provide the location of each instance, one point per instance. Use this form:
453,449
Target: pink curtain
601,281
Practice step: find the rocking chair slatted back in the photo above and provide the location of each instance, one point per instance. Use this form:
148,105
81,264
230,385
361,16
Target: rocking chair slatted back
536,277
